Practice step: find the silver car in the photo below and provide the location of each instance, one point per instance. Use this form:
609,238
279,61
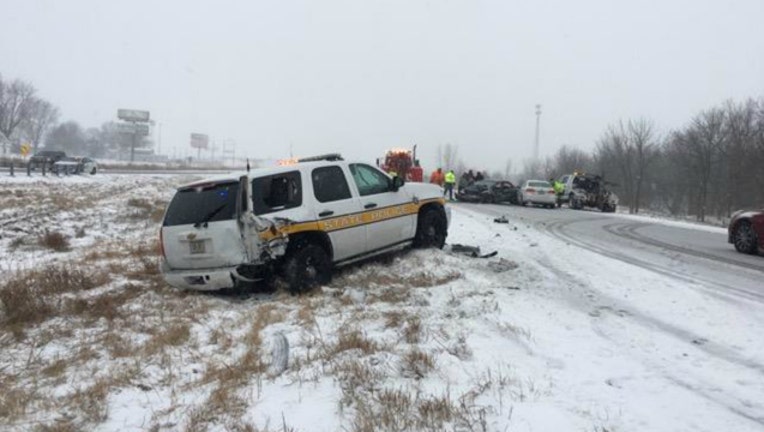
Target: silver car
538,192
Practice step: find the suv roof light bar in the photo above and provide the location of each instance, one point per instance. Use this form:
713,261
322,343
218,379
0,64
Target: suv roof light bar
331,157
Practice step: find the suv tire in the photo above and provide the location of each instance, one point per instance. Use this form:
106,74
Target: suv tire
431,229
307,267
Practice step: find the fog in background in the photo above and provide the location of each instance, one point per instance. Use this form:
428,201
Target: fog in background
359,77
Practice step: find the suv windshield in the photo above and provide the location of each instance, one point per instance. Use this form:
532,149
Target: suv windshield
192,205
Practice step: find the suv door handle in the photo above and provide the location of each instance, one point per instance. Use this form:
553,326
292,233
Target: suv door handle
370,205
325,213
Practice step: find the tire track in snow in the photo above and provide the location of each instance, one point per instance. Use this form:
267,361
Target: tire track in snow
557,229
630,231
651,323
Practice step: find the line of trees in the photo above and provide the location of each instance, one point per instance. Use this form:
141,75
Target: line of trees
23,114
25,117
710,167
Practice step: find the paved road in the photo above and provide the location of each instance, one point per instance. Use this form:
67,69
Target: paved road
693,255
22,171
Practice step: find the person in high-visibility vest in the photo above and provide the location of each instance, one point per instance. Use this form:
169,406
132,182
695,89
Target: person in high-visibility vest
450,182
559,190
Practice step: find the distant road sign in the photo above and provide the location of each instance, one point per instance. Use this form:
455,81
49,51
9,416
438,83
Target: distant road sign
131,128
133,115
199,141
25,149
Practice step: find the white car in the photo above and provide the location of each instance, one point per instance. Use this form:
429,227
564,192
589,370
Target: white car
71,165
538,192
299,220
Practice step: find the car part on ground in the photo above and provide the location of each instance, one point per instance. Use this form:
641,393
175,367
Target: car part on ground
298,220
471,251
746,231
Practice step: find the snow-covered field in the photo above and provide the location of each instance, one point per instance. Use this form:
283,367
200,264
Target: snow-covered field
543,337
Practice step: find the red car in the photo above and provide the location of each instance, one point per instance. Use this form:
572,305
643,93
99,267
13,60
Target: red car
746,231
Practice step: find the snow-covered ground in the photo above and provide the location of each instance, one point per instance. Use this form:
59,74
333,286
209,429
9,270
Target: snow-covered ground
546,336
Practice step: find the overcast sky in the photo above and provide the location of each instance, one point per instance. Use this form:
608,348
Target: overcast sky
359,77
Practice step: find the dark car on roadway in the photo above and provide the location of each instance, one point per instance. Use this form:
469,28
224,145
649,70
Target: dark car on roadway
746,231
489,191
46,158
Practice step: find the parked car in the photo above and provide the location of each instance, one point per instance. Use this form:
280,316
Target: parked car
45,158
298,220
489,191
72,165
746,231
539,192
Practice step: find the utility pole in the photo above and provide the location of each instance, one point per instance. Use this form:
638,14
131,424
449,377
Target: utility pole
159,138
134,142
538,121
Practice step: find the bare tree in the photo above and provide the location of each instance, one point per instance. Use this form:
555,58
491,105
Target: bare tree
42,116
614,155
569,159
644,150
16,100
703,143
447,156
67,136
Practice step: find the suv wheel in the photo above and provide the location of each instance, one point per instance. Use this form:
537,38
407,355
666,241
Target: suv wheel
431,230
307,267
744,238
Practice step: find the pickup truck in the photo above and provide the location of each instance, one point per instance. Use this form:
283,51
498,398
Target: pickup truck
45,158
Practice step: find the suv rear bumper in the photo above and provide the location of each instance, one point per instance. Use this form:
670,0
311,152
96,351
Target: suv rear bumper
200,279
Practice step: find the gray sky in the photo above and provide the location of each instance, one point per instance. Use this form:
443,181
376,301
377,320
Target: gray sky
359,77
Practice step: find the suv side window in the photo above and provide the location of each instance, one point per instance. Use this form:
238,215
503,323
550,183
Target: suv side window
276,192
329,184
369,180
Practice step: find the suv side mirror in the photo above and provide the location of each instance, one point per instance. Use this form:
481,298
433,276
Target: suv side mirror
396,183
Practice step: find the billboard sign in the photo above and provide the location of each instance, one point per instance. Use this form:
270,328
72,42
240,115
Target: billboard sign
199,141
133,115
131,128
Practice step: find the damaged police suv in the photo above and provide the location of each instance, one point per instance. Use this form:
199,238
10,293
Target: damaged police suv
299,221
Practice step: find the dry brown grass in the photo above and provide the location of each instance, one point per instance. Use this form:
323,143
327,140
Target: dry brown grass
399,410
393,319
55,369
30,297
372,276
412,331
14,402
353,340
54,240
171,335
417,364
145,209
91,402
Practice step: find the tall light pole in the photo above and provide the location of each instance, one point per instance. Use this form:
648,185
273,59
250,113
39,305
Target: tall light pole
536,147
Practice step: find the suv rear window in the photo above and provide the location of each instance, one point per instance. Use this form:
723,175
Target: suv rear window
214,201
277,192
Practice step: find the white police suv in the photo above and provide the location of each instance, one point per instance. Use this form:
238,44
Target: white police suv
300,220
